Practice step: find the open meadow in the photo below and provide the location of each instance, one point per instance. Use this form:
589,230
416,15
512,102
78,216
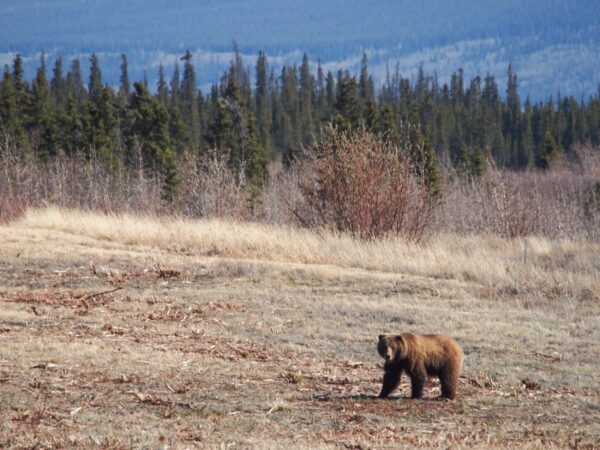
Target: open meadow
135,332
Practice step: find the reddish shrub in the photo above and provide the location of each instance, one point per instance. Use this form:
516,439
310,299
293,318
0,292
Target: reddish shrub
361,183
10,208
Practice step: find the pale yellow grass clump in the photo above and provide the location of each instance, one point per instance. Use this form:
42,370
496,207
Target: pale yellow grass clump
489,261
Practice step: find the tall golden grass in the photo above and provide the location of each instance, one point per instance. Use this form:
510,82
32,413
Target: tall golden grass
548,267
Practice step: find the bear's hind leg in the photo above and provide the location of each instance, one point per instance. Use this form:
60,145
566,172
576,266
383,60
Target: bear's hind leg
448,383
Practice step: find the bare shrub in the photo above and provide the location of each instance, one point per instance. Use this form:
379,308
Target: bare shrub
553,203
280,195
210,188
362,183
493,205
10,208
78,182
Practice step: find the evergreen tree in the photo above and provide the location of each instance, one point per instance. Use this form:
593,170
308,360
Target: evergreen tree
330,91
365,82
512,120
175,83
423,157
149,138
386,123
457,90
58,85
21,89
40,125
95,85
99,125
264,112
125,87
526,137
189,101
290,137
346,103
256,161
306,102
177,127
70,132
75,82
203,106
162,91
321,111
241,76
549,152
11,127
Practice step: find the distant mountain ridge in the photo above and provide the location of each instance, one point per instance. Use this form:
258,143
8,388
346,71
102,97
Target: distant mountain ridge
554,45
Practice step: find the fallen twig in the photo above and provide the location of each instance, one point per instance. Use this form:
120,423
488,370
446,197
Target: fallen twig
98,294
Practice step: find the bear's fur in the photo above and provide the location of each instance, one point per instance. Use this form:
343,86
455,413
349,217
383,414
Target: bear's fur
419,357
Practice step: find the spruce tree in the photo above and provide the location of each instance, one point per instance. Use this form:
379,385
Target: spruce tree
346,103
70,137
526,137
423,156
75,82
386,123
256,160
149,135
365,82
330,92
58,85
549,152
189,101
95,85
11,127
40,118
306,102
264,114
21,88
125,86
99,116
290,110
178,132
320,109
162,91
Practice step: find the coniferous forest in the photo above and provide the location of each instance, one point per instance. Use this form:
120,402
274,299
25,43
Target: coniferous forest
253,116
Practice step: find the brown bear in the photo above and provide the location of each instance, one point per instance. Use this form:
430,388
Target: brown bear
419,357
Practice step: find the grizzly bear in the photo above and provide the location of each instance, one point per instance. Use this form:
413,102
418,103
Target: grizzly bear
419,357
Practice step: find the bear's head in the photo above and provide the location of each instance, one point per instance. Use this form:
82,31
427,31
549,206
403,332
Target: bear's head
391,347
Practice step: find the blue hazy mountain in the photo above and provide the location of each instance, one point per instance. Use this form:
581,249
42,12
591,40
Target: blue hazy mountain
553,45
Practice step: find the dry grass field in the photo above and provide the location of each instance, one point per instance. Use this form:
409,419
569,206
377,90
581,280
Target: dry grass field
124,332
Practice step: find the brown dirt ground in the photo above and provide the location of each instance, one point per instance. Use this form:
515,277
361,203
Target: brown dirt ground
209,352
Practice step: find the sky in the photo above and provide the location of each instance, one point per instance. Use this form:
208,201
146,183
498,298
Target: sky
554,46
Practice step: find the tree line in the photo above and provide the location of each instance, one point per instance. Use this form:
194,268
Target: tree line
253,119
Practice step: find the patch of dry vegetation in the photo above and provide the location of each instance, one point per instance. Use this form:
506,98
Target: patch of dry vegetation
123,331
488,264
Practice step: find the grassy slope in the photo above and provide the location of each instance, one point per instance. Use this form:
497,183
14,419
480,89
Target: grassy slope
266,335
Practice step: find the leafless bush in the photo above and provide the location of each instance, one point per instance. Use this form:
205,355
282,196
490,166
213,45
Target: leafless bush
357,183
280,195
553,203
10,207
363,184
210,188
80,183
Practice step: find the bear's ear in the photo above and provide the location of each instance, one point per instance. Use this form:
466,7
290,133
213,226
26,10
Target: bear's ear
398,338
381,336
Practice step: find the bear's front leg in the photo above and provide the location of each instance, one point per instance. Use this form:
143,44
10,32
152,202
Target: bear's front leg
391,380
418,378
